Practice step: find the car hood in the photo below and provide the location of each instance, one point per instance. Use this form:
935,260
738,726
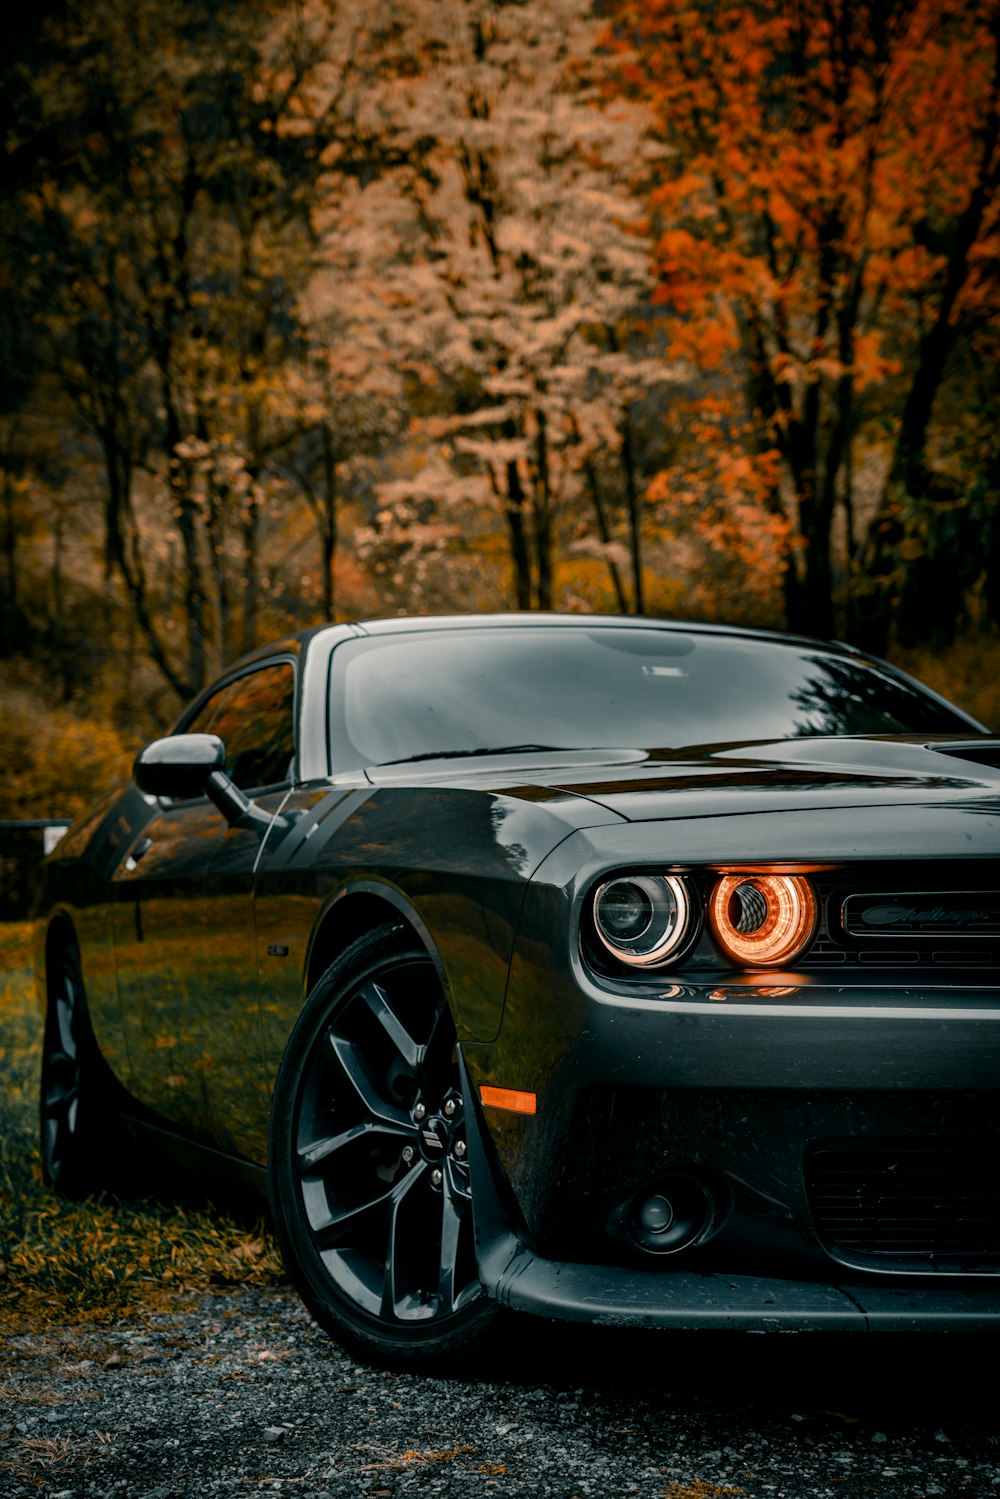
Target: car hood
719,780
785,775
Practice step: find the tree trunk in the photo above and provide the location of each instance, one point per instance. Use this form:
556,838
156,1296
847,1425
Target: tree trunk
251,519
603,529
514,514
328,526
215,530
634,521
118,470
187,524
542,514
8,591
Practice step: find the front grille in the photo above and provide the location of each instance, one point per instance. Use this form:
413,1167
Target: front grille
833,946
911,1205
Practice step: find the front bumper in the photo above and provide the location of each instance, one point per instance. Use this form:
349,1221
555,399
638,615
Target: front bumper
736,1085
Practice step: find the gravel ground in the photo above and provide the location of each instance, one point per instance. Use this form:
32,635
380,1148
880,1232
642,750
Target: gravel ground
240,1394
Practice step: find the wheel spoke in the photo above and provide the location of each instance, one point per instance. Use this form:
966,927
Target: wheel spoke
340,1223
64,1024
399,1299
317,1156
452,1217
58,1096
347,1058
441,1012
377,1001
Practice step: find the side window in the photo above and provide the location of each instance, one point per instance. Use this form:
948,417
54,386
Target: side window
255,718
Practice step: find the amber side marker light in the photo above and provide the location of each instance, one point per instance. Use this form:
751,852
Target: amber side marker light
508,1098
762,919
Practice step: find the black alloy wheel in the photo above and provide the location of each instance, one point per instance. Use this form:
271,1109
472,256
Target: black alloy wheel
369,1176
73,1119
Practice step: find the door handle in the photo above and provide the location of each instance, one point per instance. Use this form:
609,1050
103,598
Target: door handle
137,853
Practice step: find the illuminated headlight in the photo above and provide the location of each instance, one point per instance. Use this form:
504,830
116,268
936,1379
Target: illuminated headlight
762,919
642,919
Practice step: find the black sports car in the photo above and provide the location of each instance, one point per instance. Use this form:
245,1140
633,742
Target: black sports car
607,969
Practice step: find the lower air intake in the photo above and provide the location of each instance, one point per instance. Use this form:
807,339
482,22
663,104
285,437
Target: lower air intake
919,1206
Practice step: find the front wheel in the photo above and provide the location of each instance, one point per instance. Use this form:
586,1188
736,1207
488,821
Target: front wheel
368,1172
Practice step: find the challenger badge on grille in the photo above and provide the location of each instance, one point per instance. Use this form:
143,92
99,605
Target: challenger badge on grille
918,913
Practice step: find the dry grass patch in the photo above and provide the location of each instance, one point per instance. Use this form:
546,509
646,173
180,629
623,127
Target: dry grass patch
94,1260
45,1460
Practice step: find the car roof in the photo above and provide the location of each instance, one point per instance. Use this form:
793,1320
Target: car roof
295,641
518,620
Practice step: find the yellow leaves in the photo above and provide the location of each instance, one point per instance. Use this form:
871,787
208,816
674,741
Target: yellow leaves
52,763
416,1459
251,1249
698,1488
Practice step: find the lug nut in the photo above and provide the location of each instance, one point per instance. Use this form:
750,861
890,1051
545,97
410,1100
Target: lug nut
419,1112
451,1104
460,1148
437,1177
407,1153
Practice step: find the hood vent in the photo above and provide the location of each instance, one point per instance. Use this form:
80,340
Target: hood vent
979,751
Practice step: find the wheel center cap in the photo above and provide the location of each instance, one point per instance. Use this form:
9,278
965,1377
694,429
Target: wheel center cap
434,1136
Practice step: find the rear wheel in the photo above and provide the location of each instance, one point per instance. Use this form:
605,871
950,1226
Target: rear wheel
369,1177
73,1114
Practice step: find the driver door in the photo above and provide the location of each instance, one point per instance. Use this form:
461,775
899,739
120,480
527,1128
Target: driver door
183,927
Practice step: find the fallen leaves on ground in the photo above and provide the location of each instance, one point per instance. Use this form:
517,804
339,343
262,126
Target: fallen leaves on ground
414,1459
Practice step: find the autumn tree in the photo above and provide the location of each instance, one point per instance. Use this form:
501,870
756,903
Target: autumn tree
823,238
499,213
174,237
27,444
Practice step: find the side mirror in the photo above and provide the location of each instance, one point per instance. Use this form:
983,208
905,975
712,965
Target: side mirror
186,765
180,765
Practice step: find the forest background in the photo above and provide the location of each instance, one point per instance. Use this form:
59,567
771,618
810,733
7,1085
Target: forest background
328,309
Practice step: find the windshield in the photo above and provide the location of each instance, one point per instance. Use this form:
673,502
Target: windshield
427,694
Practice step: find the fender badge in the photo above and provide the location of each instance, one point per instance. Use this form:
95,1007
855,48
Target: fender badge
277,950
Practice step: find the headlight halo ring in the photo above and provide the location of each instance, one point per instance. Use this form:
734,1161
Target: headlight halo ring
762,920
669,918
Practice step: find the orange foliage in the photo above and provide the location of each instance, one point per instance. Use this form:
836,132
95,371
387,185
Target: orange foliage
824,166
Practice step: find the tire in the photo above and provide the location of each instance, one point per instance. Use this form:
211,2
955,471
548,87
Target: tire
74,1122
368,1177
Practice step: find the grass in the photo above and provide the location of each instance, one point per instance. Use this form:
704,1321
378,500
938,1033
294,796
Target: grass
97,1260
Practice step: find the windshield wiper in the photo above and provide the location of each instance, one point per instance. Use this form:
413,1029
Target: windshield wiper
463,754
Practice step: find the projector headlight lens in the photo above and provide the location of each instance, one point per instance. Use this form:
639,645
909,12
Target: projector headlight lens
642,919
760,920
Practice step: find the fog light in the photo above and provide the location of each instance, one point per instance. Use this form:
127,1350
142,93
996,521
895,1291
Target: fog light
670,1215
656,1214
